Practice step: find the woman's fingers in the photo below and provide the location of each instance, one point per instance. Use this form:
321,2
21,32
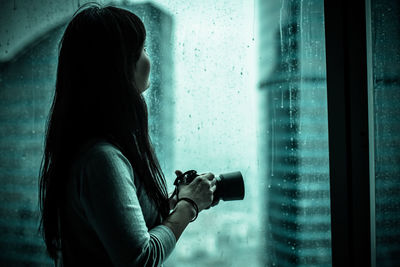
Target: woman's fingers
213,187
208,180
208,175
178,172
213,182
201,190
214,203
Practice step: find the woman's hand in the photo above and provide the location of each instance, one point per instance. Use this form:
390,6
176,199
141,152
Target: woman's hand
200,190
172,200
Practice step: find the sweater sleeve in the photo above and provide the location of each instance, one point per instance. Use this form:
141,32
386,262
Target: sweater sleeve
109,199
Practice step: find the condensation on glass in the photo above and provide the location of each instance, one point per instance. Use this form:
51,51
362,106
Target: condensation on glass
235,86
385,43
214,122
295,148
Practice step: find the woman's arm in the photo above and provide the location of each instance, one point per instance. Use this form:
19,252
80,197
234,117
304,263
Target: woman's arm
108,197
109,200
178,221
201,191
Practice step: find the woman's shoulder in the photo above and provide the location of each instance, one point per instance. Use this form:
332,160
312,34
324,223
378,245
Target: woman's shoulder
100,146
99,152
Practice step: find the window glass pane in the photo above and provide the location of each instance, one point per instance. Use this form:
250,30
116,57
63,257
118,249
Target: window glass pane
27,80
213,124
235,86
275,134
386,96
294,118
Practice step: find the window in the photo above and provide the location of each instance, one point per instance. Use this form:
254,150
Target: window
274,132
385,71
274,89
213,123
294,111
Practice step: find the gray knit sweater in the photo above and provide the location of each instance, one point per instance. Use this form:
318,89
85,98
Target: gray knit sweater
108,219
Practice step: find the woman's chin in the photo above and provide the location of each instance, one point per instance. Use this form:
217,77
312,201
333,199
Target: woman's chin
143,90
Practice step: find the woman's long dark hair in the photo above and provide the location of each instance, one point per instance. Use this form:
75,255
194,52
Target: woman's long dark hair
96,96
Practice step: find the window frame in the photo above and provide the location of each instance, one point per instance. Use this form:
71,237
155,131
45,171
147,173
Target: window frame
350,150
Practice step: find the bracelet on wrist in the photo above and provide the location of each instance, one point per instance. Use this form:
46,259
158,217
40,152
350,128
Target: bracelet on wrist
196,208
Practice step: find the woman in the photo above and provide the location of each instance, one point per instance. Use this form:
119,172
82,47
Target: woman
103,196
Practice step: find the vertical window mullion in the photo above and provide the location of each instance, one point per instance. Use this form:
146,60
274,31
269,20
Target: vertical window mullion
371,130
348,132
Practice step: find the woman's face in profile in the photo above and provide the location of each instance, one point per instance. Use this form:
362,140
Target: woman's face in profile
142,71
